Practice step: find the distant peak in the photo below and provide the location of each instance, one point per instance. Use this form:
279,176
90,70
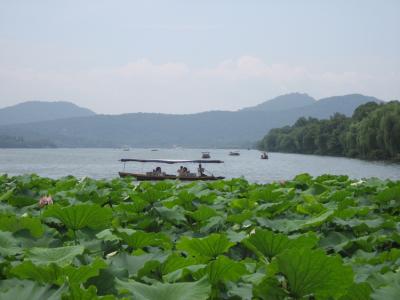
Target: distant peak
284,102
35,111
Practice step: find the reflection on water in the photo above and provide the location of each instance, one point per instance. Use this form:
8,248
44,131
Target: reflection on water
103,163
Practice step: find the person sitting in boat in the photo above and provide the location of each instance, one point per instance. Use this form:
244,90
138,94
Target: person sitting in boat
180,171
185,171
158,171
200,171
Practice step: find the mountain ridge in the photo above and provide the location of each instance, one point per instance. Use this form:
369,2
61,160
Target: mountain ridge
205,129
36,111
283,102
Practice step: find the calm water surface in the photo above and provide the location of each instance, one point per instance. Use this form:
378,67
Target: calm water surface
103,163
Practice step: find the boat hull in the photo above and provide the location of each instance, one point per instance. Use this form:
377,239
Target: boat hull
144,177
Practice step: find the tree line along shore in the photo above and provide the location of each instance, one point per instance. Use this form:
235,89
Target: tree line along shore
372,132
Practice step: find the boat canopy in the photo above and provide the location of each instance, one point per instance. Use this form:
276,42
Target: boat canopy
172,161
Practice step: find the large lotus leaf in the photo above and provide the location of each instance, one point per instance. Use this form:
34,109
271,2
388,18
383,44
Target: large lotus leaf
285,225
391,292
222,269
151,194
197,290
210,246
76,217
61,256
183,199
242,204
7,195
137,206
135,263
28,290
175,262
140,239
387,286
77,292
335,240
22,201
271,244
313,272
105,281
366,225
183,273
57,275
203,213
269,289
13,223
243,291
358,291
235,236
388,194
175,215
266,194
214,224
9,245
240,218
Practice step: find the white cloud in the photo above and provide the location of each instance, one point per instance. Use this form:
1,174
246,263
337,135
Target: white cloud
143,85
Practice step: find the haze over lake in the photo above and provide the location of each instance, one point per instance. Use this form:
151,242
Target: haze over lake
103,163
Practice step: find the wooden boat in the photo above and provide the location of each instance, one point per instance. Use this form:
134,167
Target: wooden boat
234,153
205,155
155,176
145,177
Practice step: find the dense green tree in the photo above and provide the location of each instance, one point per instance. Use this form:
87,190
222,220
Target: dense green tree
373,132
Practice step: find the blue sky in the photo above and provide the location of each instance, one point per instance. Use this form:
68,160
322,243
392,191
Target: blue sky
188,56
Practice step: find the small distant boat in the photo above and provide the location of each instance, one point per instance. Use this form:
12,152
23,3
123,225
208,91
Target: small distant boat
205,155
154,149
264,155
234,153
125,148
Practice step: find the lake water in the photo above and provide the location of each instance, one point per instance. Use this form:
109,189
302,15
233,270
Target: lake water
103,163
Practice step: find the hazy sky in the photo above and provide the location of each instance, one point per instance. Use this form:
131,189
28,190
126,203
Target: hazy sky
189,56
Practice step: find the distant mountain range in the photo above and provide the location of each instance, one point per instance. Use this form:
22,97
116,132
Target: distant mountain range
208,129
36,111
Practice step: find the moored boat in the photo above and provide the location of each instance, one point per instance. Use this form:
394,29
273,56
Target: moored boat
205,155
183,173
148,177
234,153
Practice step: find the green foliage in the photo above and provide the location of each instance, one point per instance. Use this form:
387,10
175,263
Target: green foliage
80,216
270,244
210,246
373,132
9,245
55,274
28,290
313,272
310,238
12,223
196,290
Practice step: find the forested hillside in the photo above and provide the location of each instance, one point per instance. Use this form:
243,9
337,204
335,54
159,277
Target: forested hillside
373,132
7,141
225,129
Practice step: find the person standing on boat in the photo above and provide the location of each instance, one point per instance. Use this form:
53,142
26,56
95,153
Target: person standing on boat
200,171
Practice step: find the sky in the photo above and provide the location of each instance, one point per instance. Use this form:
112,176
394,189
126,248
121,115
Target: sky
189,56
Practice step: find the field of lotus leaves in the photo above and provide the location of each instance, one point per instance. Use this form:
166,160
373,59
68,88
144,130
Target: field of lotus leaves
309,238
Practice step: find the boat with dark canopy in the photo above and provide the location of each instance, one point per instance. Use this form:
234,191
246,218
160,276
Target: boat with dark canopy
183,174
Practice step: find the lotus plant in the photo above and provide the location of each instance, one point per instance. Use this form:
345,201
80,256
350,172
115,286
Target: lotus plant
45,200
